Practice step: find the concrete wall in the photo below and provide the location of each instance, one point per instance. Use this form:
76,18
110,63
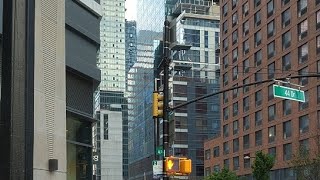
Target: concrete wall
49,89
111,149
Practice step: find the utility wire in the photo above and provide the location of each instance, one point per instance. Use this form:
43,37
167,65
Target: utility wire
241,86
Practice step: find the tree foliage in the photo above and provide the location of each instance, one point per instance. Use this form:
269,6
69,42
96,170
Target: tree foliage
306,168
224,174
262,165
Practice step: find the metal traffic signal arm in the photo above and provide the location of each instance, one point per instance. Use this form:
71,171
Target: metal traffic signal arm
241,86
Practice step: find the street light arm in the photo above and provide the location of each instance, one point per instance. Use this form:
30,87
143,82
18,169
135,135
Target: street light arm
241,86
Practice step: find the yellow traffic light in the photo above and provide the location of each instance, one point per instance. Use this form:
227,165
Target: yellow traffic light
185,166
172,165
157,109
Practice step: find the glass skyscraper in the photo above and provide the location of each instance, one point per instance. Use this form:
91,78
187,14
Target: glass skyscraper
111,106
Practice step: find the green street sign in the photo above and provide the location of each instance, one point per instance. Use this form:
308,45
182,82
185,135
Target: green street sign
288,93
159,150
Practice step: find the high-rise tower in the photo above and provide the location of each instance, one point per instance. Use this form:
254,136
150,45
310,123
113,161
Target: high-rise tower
112,129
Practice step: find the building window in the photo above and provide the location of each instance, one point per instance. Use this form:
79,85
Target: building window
225,97
318,90
286,107
258,77
287,130
246,28
304,80
226,113
225,44
318,44
303,53
235,73
225,10
245,9
246,161
270,92
246,123
284,2
235,127
272,134
234,19
271,112
216,168
287,152
257,19
207,171
258,138
226,148
234,3
235,55
271,69
258,118
303,29
303,124
225,79
235,37
271,49
257,3
246,141
236,163
207,154
304,105
273,152
226,163
225,61
245,66
258,96
318,19
302,7
206,39
235,92
236,145
304,146
286,40
286,62
235,109
246,88
192,37
245,47
257,38
271,28
106,126
216,151
246,104
225,26
286,16
270,8
258,58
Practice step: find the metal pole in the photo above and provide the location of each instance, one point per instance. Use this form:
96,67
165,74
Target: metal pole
156,126
166,63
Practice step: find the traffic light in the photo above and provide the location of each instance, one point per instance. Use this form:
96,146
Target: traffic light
172,165
157,109
185,166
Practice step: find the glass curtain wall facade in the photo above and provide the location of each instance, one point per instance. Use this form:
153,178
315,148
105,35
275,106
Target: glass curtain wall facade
150,19
195,72
131,45
112,107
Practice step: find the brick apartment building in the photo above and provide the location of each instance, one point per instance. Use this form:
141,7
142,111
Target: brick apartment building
266,39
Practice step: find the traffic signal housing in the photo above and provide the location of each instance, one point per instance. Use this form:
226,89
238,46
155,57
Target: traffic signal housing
157,109
177,166
172,165
185,166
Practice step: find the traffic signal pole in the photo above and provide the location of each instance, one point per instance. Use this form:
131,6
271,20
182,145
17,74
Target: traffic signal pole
166,62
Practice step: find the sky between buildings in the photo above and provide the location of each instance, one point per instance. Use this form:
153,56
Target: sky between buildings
131,6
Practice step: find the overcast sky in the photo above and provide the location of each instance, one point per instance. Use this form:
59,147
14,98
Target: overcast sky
131,13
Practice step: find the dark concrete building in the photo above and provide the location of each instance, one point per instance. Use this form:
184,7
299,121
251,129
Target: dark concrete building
264,40
48,77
